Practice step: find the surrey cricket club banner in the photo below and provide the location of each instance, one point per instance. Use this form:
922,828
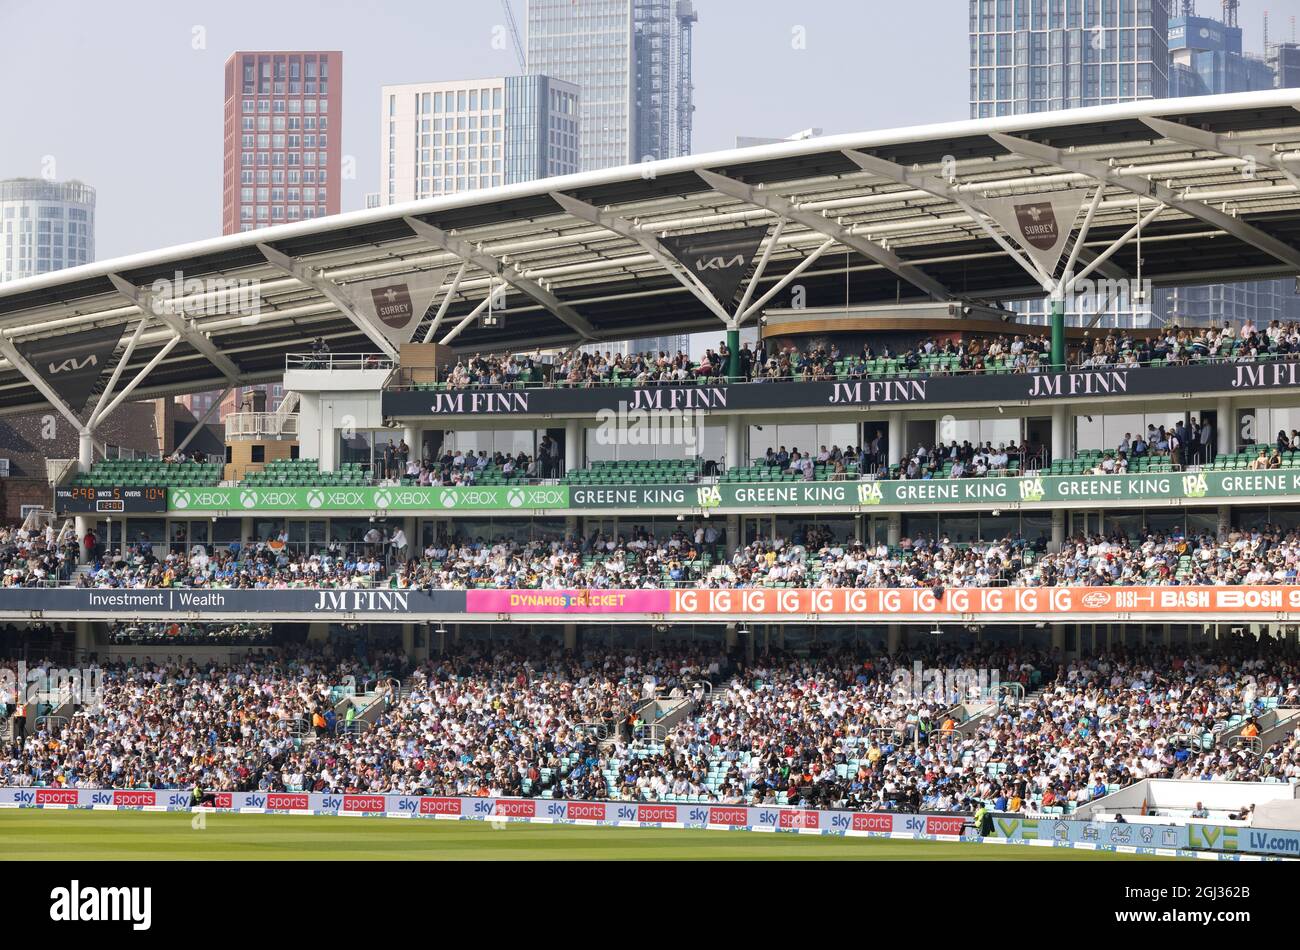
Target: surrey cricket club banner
396,305
719,260
852,395
1041,224
72,363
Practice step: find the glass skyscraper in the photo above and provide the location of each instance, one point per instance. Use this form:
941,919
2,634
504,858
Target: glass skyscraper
45,226
1042,55
631,60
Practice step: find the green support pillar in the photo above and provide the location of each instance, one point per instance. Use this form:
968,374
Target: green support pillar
733,358
1058,333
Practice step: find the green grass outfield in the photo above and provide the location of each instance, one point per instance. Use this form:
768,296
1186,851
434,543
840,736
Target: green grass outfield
29,834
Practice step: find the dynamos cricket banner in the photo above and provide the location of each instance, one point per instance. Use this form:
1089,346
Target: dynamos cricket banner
1230,841
877,393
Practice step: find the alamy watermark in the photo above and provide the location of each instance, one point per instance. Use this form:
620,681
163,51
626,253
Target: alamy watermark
1090,295
943,686
208,296
624,426
21,685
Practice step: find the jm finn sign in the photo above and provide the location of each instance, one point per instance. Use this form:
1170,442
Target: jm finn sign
855,393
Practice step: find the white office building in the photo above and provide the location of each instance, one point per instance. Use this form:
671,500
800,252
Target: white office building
441,138
45,226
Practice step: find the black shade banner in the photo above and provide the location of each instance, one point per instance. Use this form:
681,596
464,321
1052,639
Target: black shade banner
72,363
720,261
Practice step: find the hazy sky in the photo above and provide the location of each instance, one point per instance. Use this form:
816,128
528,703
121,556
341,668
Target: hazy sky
127,95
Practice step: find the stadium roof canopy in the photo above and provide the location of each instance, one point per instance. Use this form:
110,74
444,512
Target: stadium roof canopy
877,217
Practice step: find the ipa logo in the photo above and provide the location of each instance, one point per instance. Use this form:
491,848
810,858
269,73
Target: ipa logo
1195,486
1031,489
708,496
869,493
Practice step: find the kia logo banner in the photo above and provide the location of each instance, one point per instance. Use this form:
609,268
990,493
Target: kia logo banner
72,363
719,261
1039,223
396,305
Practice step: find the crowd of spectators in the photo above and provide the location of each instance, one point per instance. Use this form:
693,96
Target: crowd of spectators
830,729
37,557
765,361
700,555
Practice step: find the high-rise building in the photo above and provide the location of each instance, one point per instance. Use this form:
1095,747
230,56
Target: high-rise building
439,138
1206,58
45,226
631,62
1032,56
283,125
1285,60
1035,56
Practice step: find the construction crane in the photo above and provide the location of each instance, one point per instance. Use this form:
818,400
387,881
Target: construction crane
514,36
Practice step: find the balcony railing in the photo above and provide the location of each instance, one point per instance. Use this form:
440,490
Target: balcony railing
262,425
338,361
